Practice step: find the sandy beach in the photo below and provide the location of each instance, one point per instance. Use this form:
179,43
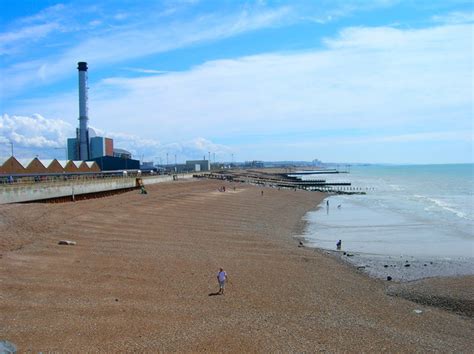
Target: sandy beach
144,266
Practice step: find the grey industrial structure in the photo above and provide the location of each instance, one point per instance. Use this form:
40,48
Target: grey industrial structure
87,146
198,165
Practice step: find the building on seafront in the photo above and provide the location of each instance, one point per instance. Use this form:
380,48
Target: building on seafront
198,165
87,145
122,153
36,166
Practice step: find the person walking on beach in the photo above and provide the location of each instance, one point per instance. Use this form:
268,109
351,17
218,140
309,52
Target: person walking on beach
222,279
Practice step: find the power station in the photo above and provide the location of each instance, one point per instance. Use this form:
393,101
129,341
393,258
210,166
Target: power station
86,146
82,134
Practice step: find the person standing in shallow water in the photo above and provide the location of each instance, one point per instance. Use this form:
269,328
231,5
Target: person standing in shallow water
222,279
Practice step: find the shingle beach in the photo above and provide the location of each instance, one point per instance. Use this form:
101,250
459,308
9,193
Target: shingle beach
143,271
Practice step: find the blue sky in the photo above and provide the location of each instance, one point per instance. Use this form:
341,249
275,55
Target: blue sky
343,81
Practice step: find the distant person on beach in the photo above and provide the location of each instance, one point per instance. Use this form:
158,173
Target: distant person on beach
262,192
339,206
338,245
222,279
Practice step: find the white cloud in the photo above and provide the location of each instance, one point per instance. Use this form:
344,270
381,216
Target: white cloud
455,17
37,135
34,131
150,37
9,41
366,79
359,81
443,136
146,71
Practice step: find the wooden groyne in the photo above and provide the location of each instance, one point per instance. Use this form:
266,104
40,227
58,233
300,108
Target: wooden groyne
281,180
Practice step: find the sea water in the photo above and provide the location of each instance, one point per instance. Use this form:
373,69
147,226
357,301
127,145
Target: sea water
425,210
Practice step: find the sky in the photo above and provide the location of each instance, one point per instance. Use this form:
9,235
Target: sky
381,81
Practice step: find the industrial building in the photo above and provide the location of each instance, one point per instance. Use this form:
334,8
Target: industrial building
122,153
110,163
86,145
35,166
198,165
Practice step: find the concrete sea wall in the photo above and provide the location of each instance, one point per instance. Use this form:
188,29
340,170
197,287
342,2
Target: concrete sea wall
16,193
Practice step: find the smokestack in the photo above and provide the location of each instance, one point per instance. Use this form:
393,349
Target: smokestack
83,136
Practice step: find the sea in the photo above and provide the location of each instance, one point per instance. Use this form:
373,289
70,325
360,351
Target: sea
422,210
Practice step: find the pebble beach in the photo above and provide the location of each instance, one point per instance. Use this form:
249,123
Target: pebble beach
141,276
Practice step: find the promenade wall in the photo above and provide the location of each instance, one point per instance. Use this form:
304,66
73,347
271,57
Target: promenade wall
18,192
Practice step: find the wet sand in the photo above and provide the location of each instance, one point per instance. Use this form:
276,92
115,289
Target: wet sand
140,276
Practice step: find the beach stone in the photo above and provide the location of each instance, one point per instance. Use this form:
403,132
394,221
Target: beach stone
407,265
389,278
385,266
67,243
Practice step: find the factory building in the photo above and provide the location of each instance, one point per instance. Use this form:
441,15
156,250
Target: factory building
12,166
198,165
86,145
100,146
52,166
109,163
122,153
32,165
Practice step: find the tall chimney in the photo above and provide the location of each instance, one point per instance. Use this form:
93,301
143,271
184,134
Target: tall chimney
83,112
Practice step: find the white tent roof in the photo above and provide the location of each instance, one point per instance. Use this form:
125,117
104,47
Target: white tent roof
90,163
63,163
77,163
25,162
46,163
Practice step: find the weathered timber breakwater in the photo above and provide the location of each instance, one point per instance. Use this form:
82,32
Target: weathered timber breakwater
278,179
